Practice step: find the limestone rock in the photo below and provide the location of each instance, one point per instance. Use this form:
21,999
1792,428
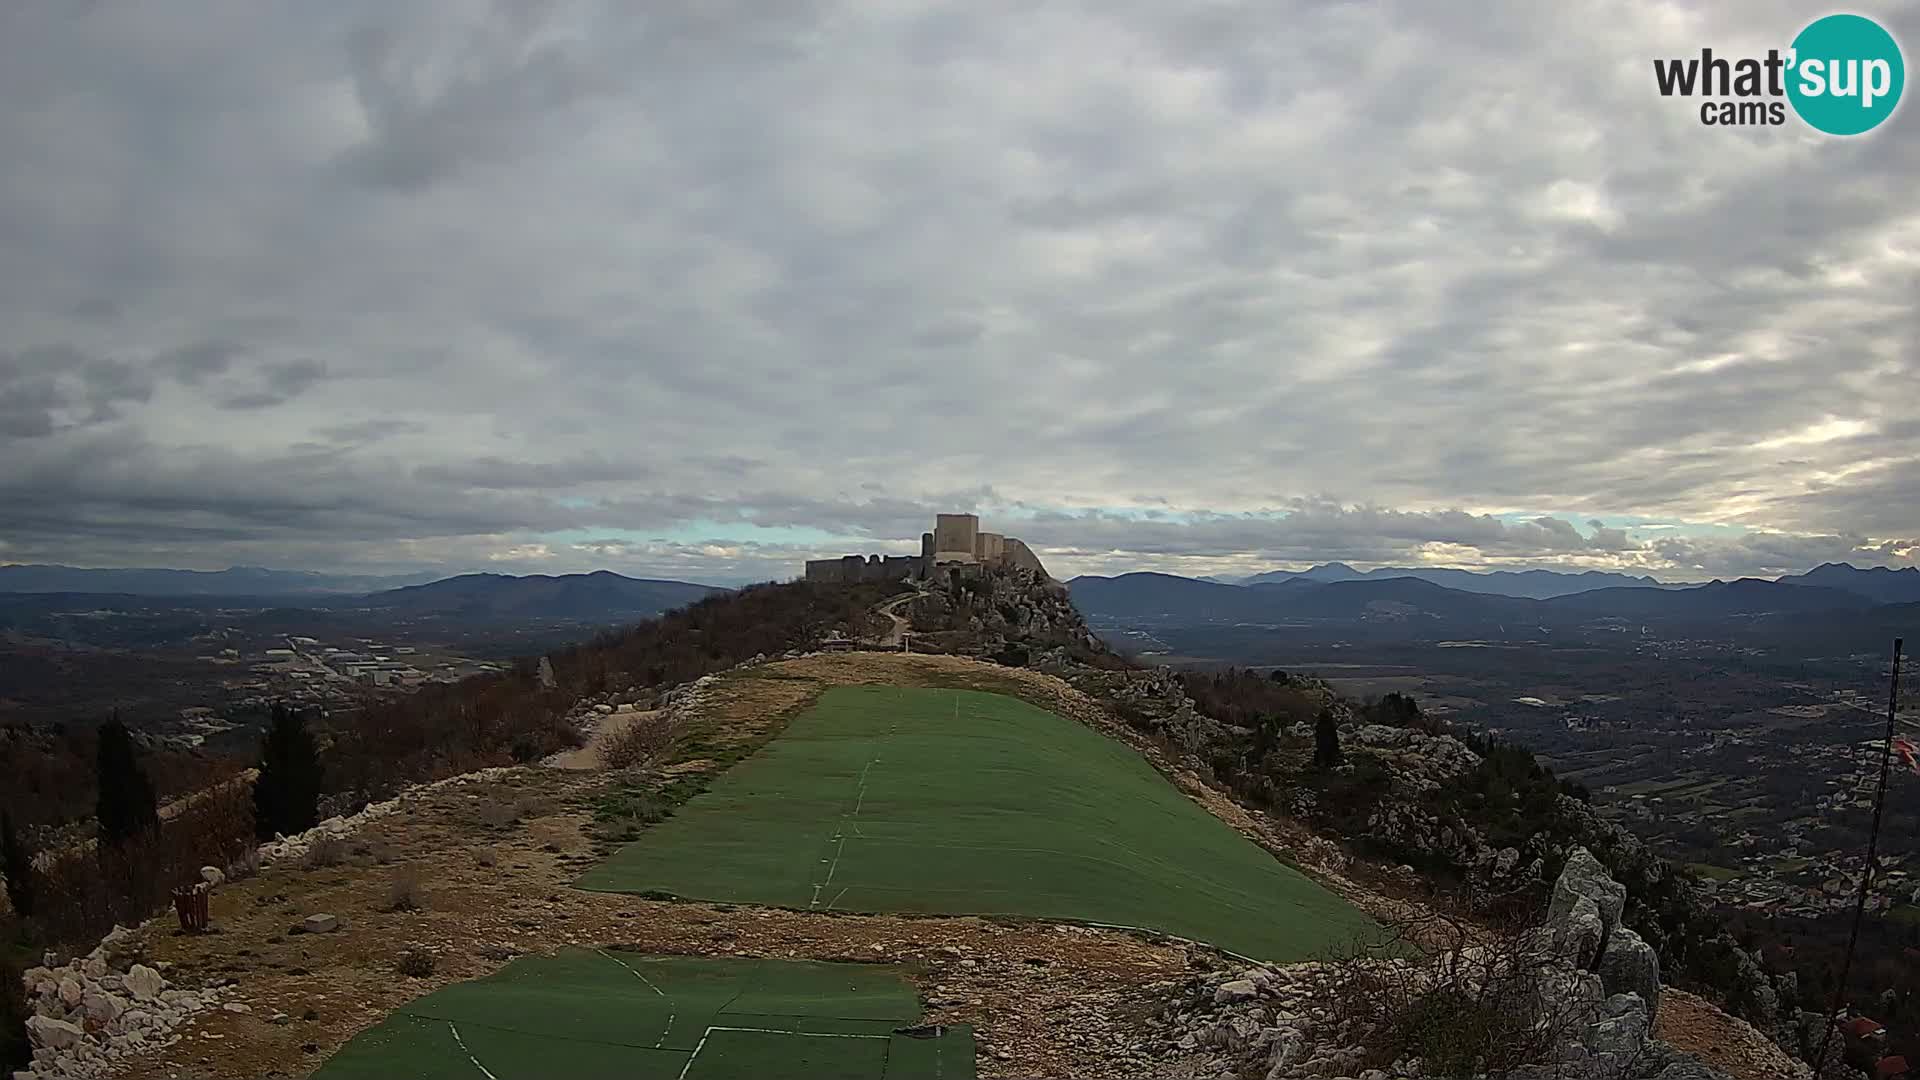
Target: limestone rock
102,1007
213,876
51,1033
321,923
1578,934
70,992
144,983
1585,876
1235,991
1629,965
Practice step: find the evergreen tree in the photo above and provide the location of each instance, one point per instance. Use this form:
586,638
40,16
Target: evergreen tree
17,862
125,805
1326,740
286,797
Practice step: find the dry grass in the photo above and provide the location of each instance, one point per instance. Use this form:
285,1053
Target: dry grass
499,813
406,892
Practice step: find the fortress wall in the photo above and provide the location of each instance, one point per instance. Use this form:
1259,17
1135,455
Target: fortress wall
989,547
1019,554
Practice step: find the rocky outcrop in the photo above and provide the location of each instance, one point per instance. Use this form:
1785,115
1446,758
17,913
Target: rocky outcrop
1595,1001
94,1012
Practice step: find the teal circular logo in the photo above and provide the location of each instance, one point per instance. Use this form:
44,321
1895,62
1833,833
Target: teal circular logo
1846,75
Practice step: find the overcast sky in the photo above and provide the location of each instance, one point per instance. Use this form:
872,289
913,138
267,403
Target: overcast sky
1204,287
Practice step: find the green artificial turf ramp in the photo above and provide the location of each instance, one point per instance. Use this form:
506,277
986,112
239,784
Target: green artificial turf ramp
611,1015
883,799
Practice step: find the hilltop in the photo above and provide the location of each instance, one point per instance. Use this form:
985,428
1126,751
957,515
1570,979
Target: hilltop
1406,825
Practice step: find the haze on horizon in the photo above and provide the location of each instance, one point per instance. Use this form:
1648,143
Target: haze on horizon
702,292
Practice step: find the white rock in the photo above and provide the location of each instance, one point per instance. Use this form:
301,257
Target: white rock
213,876
1235,990
96,964
143,982
52,1034
70,992
237,1007
320,923
102,1007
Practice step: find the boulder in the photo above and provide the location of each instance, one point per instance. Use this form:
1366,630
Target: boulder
70,992
1629,965
1584,876
52,1034
1578,934
102,1007
321,923
1234,991
144,983
213,876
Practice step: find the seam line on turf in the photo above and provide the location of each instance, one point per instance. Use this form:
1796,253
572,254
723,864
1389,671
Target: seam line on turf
463,1049
665,1031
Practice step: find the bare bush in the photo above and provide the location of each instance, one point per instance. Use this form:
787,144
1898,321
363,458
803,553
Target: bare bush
641,742
82,891
1465,999
417,963
245,866
486,856
406,892
325,850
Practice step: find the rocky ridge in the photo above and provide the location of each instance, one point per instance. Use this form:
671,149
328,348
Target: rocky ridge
1587,977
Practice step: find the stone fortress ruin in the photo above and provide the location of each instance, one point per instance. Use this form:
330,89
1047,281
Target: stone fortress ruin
956,545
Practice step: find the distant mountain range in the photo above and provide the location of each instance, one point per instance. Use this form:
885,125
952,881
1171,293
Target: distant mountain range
599,595
1533,584
1879,584
233,581
1167,599
602,594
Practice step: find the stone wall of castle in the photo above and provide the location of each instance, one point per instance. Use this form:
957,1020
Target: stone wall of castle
849,569
956,539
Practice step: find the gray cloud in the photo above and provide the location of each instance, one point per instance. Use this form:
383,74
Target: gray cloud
362,284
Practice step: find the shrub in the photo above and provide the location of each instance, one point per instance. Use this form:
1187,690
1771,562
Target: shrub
415,963
82,893
406,893
641,742
17,863
245,866
1467,1000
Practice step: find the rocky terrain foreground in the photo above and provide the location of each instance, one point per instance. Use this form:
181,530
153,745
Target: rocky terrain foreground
453,879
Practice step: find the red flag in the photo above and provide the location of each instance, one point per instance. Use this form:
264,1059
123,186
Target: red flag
1909,753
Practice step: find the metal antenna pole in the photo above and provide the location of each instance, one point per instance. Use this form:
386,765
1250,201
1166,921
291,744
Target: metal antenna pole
1866,872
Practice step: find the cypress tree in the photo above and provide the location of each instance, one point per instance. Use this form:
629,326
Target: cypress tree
286,796
1326,740
125,805
17,862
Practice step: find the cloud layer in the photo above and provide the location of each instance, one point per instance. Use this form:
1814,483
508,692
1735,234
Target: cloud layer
702,289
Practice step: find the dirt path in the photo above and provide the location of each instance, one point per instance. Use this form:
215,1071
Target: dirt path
901,624
611,726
